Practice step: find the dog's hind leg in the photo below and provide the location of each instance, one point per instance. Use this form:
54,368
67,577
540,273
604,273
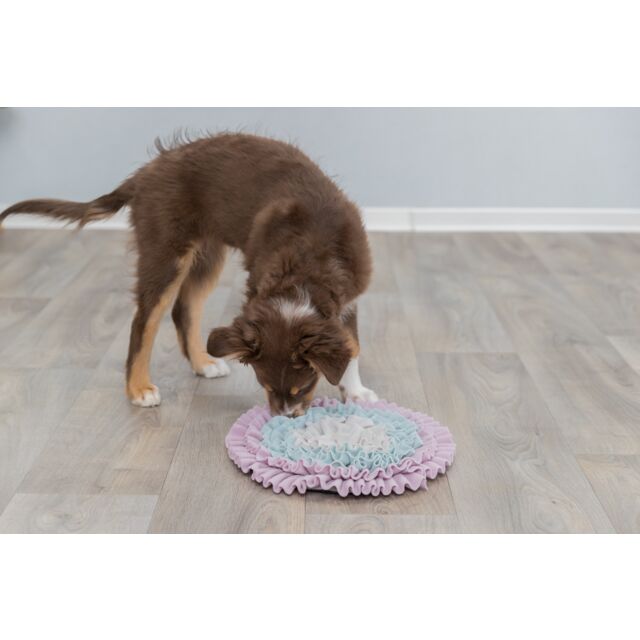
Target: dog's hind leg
159,280
187,310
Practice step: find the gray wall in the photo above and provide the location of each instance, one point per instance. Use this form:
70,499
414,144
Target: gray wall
382,157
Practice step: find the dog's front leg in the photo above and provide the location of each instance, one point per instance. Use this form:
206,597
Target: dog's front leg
351,387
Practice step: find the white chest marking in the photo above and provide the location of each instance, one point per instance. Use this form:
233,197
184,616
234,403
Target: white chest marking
292,310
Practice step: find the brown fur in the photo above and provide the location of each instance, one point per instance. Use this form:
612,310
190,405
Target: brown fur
301,237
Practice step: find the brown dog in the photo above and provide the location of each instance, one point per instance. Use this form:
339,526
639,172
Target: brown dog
304,246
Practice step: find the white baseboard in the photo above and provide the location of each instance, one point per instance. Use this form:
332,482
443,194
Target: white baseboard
502,219
435,219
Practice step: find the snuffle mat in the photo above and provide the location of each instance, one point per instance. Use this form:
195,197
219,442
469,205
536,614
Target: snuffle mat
359,448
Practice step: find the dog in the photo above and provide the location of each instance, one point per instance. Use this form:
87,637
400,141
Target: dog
304,246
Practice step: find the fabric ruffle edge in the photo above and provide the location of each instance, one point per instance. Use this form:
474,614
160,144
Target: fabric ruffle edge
436,454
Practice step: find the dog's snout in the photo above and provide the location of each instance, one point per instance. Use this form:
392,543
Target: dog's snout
281,406
291,412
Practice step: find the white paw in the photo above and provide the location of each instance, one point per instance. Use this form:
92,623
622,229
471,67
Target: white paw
214,369
149,397
358,393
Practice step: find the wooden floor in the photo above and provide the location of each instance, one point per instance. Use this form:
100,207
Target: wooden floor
526,345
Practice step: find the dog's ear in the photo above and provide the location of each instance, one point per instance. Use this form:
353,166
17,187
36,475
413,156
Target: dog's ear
240,341
327,348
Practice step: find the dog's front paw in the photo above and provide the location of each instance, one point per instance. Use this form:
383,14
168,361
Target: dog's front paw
213,368
358,393
148,396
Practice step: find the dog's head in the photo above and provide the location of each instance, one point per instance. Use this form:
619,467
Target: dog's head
289,345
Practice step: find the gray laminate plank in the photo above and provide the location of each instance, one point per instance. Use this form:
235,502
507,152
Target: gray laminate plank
382,249
572,417
436,501
78,325
385,337
612,303
629,348
592,402
106,445
47,266
537,313
14,242
498,254
54,513
616,481
32,404
593,394
355,524
450,313
206,493
415,254
513,471
15,313
581,254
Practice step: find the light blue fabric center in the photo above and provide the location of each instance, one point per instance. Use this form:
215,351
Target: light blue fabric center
278,437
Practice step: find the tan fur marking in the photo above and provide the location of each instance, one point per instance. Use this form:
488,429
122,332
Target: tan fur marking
354,346
294,391
308,397
139,380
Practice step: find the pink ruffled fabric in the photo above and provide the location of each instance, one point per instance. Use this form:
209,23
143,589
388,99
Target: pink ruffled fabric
244,444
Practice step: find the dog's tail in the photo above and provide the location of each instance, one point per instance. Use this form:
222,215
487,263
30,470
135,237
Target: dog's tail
81,212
